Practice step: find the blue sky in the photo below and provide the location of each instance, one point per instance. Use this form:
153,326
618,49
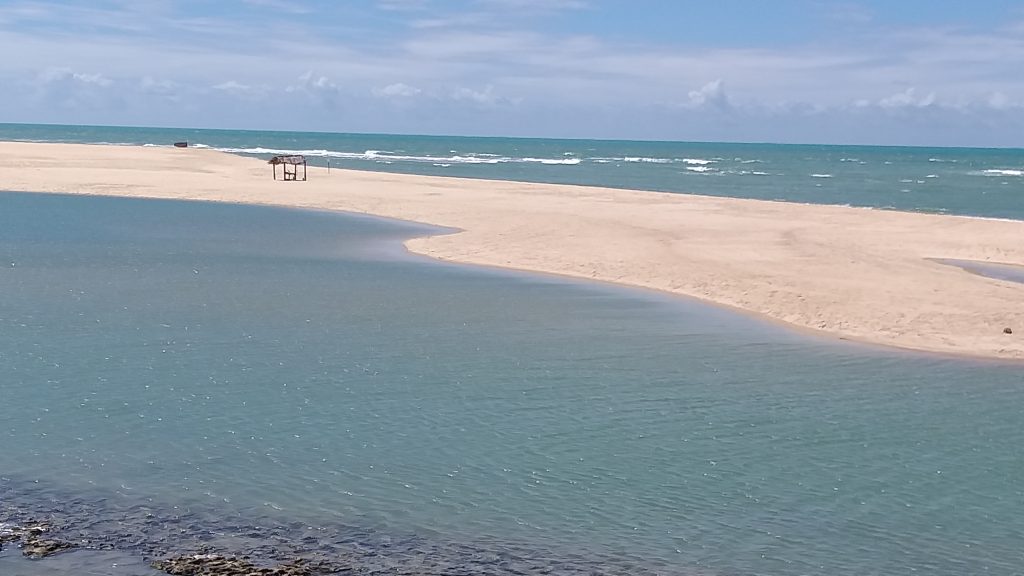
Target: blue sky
874,72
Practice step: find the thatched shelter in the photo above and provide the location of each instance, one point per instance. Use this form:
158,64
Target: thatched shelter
286,161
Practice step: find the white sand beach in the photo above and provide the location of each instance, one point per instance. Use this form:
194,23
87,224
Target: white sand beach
864,275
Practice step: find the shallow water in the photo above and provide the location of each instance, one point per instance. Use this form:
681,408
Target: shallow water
1008,272
77,563
271,372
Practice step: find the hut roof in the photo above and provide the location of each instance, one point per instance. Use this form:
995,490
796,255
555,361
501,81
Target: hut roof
294,159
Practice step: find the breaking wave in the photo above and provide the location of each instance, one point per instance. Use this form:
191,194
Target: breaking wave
389,156
650,160
385,156
1003,172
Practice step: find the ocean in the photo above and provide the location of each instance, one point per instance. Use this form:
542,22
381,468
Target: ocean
969,181
182,377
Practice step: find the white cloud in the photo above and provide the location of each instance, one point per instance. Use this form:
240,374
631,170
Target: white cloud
999,101
907,98
454,59
54,75
157,86
465,20
711,95
535,5
239,91
317,88
846,12
485,97
402,5
280,6
397,90
233,87
310,82
65,89
496,14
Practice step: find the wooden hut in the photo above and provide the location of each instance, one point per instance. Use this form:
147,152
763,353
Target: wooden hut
285,162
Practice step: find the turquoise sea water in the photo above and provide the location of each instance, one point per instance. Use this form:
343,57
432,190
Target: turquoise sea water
978,182
184,374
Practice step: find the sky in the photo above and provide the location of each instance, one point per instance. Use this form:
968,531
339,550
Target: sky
902,72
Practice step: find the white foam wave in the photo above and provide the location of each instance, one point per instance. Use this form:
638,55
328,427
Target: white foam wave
998,172
699,168
645,159
388,157
563,161
651,160
821,176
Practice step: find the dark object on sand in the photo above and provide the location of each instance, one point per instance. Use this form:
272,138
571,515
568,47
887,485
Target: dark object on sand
1007,330
181,144
285,161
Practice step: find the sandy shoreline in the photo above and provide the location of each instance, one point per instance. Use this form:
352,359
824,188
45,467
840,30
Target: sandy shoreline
868,275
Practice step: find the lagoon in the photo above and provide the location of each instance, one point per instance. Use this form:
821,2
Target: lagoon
270,371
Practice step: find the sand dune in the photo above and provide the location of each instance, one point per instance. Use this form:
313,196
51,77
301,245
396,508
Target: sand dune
866,275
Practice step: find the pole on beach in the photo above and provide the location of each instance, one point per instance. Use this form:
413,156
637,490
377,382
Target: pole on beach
328,165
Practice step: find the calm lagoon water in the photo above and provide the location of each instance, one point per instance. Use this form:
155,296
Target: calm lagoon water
288,371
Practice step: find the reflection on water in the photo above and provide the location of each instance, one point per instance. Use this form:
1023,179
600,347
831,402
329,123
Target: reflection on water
293,370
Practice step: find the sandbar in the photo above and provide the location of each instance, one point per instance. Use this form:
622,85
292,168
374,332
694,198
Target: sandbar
874,276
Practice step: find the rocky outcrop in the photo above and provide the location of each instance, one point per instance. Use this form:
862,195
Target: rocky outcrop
215,565
31,539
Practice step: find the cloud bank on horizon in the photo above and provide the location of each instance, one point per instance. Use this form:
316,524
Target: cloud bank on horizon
875,72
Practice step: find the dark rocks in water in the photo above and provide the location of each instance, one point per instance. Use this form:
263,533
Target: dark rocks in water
15,533
33,545
41,548
1007,330
7,535
264,544
215,565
